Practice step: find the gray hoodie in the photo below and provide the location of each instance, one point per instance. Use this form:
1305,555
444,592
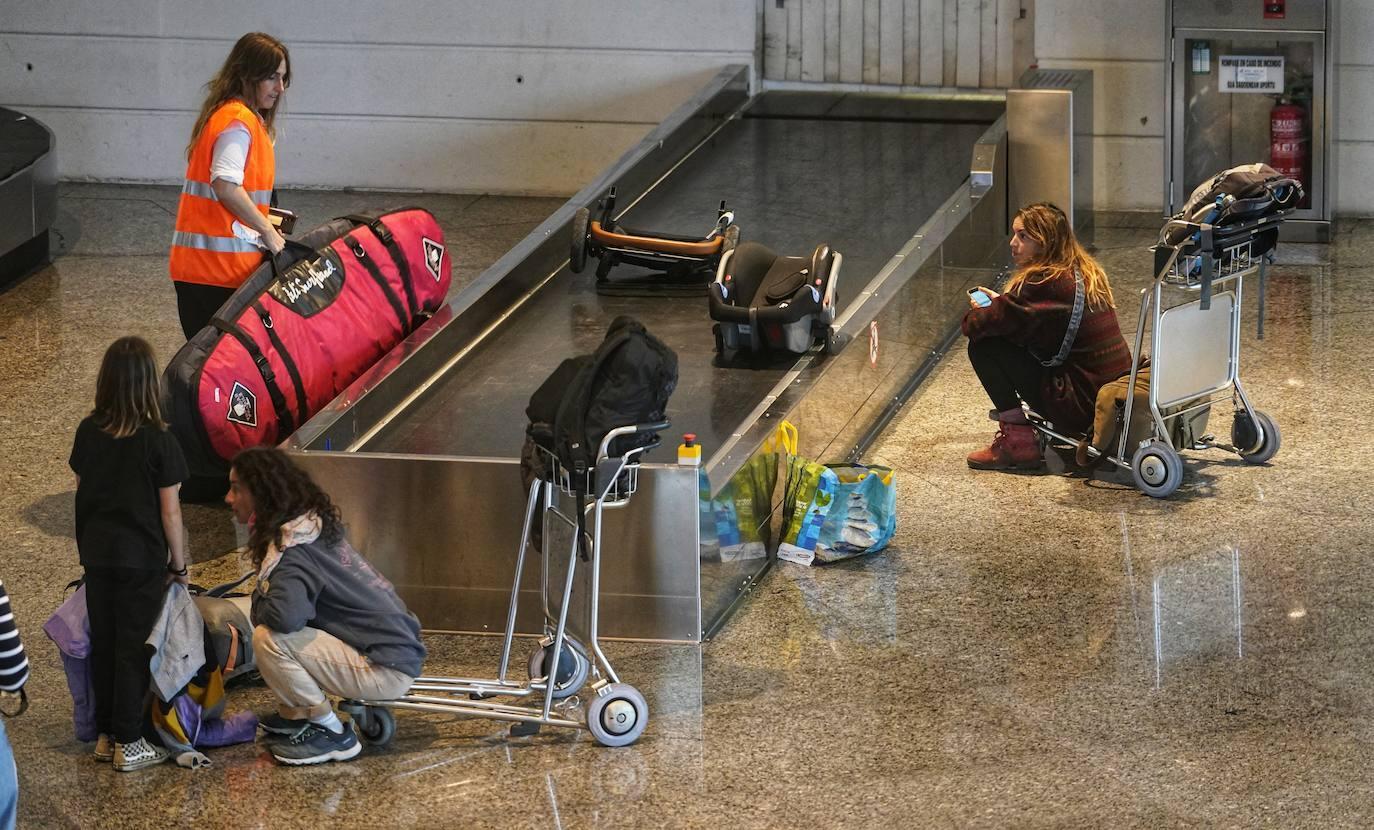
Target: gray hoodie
337,591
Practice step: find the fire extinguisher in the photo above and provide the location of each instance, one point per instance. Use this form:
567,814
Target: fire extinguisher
1288,141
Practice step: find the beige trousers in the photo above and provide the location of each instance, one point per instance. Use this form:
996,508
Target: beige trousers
302,667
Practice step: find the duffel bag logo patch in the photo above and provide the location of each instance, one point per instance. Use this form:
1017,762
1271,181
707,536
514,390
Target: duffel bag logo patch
434,255
243,406
308,287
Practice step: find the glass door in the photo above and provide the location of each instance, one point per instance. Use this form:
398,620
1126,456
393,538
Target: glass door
1247,96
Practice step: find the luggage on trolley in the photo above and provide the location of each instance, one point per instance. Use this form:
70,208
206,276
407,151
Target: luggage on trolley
1222,237
685,263
615,712
584,461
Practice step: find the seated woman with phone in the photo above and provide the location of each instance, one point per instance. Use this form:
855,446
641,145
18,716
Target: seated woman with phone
1051,339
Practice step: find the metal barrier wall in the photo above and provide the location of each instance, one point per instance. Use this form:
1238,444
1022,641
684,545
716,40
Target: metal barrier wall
446,531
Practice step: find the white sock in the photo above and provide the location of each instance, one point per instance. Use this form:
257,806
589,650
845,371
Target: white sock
329,721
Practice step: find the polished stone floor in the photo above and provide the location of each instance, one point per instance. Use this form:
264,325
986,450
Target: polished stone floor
1033,650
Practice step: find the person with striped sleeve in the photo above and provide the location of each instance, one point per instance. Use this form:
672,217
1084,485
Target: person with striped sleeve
222,225
14,673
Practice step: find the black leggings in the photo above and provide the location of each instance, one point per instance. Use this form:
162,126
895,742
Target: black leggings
1009,373
197,303
123,604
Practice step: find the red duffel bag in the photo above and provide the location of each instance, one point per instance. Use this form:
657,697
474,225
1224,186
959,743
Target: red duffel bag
299,331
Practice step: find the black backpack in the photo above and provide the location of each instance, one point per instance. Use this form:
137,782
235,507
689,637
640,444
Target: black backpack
1234,195
626,381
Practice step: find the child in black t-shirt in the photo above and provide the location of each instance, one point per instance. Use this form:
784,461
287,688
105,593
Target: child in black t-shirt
128,470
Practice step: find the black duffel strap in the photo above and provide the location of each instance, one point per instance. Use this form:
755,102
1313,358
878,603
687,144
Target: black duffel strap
285,421
302,407
373,271
388,239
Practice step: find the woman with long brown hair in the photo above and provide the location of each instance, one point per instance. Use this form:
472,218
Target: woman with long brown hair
1051,339
222,226
129,535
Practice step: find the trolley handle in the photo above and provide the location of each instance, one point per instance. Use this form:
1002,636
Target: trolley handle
635,429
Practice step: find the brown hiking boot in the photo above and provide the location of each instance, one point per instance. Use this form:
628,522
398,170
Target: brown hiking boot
1014,448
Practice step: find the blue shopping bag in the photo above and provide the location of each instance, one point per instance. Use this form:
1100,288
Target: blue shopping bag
863,513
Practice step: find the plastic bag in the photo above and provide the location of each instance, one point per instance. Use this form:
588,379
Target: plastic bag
837,511
863,516
737,523
811,489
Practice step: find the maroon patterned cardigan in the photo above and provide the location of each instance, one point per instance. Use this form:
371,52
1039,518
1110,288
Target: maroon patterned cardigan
1035,316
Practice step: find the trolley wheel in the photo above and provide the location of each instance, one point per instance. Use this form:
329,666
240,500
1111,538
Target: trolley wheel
731,239
375,725
573,667
1157,469
577,259
617,715
1261,433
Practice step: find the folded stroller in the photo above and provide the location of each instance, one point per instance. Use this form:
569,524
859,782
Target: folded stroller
684,263
763,301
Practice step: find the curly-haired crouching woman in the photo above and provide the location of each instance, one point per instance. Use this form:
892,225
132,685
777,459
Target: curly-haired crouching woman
1023,345
325,622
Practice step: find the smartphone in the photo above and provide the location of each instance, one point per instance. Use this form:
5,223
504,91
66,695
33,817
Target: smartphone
283,219
980,297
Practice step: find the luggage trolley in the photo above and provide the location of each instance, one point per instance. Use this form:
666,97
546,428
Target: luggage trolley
1194,351
616,712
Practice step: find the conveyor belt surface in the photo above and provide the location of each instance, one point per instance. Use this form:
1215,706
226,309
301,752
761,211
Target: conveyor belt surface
863,186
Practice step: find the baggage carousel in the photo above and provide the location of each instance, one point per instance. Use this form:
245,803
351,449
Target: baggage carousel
28,193
422,452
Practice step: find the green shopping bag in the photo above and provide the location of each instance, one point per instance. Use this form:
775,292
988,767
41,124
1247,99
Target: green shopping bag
810,492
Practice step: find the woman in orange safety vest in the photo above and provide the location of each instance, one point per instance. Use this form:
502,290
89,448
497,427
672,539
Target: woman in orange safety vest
222,227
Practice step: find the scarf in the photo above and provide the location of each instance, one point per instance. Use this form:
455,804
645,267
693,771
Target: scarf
301,530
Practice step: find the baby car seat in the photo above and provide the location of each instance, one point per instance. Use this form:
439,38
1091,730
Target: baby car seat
761,300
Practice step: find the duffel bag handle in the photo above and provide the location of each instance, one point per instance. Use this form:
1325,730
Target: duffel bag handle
293,253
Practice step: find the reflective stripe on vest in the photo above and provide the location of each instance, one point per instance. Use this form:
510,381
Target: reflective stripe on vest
219,244
206,248
205,191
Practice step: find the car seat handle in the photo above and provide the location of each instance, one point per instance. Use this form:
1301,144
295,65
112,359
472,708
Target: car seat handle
820,261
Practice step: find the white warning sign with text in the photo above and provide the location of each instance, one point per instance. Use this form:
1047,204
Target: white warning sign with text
1251,73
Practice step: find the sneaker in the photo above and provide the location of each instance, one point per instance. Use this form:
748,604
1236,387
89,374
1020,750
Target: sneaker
278,725
315,745
104,748
137,755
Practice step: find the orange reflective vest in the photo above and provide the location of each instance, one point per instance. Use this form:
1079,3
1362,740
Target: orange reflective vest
205,248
